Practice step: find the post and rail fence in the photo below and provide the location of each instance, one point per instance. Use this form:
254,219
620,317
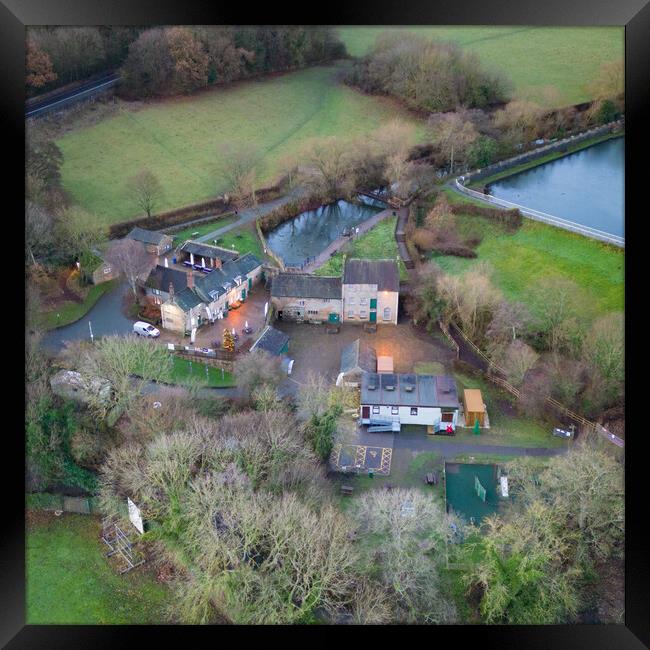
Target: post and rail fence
588,425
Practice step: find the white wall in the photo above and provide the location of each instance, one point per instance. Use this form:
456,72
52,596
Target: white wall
426,415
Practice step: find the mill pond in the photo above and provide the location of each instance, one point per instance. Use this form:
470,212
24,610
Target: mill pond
586,187
311,232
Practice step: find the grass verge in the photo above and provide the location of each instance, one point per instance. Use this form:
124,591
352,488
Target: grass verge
68,581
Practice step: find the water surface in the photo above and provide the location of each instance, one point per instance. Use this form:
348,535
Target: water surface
587,187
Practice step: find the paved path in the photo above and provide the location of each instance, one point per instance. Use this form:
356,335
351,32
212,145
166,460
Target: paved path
251,214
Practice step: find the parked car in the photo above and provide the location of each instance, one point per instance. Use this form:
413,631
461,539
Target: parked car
145,329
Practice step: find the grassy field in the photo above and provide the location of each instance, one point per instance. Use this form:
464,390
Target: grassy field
181,236
69,312
534,58
538,251
70,582
178,138
377,243
244,240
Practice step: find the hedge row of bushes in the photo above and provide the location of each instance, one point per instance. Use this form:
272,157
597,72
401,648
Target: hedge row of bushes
288,211
187,213
511,219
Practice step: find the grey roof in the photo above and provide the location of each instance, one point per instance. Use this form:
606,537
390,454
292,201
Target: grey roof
383,273
161,277
427,390
147,236
207,250
304,285
271,340
360,356
212,285
187,299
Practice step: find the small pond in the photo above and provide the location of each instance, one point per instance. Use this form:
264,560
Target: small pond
309,233
586,187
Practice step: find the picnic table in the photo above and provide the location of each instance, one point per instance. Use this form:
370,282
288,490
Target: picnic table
347,490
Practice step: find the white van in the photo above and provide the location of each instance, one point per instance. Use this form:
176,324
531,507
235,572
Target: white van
145,329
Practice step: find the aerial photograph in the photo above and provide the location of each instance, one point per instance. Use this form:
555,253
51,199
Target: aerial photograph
324,325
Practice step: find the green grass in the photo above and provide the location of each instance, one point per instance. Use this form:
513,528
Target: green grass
202,229
70,582
244,240
178,138
377,243
429,368
506,429
69,312
533,58
539,251
181,374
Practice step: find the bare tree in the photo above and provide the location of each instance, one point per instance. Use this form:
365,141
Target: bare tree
258,368
237,167
130,259
76,233
518,359
145,190
330,166
39,225
453,135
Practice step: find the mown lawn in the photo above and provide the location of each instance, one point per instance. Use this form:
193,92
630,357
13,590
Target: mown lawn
377,243
198,230
182,372
519,261
69,312
70,582
566,59
244,240
178,139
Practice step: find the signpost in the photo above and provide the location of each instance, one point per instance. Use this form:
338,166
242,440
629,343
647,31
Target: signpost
92,338
134,516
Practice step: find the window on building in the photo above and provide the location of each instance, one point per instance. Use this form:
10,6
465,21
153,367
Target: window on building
363,313
351,300
375,409
351,313
107,269
363,301
394,410
447,416
414,410
312,311
386,313
301,302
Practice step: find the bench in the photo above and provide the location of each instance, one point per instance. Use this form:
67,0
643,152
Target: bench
347,490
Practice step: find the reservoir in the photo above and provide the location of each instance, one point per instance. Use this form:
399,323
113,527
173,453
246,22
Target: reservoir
586,187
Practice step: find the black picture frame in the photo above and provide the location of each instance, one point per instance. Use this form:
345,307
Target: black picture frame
633,14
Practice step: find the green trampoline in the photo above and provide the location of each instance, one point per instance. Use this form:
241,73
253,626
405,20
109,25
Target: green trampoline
471,490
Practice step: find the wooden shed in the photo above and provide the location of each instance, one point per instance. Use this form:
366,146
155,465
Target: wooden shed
474,407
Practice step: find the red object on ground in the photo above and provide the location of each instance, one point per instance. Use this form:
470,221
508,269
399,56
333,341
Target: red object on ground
450,429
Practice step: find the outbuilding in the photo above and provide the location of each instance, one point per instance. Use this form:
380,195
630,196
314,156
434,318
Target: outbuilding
474,407
272,341
356,358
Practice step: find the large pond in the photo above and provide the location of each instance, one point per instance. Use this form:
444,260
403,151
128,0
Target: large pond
309,233
587,187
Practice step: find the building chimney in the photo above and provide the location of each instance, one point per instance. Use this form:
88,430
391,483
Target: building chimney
190,279
171,292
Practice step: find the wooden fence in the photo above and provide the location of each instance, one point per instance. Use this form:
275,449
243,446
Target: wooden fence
587,425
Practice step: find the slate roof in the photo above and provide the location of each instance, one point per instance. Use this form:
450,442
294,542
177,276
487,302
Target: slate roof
271,340
358,355
147,236
211,286
207,250
304,285
428,390
161,277
383,273
187,299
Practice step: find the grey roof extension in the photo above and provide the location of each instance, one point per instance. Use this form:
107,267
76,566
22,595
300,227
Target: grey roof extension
393,390
147,236
271,340
304,285
209,251
358,356
161,277
383,273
